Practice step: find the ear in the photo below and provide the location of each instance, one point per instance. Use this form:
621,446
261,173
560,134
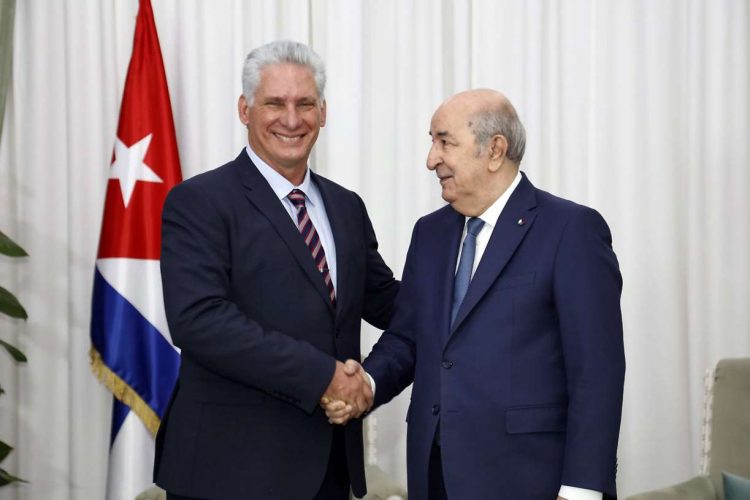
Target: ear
323,114
498,147
243,110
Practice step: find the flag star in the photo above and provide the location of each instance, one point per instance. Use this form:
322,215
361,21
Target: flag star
128,167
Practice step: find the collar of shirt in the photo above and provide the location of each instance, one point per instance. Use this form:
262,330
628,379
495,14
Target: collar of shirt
280,185
316,209
489,217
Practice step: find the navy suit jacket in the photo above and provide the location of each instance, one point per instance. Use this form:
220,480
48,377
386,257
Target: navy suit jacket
259,336
527,383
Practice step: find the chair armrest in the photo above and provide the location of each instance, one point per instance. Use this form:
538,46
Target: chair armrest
698,488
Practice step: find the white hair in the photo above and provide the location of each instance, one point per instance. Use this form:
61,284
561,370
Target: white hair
502,120
281,52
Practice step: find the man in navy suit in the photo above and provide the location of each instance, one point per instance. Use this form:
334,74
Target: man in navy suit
267,271
508,323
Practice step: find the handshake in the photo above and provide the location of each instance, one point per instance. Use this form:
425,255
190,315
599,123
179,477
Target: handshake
349,395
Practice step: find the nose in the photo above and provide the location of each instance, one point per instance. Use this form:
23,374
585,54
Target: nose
433,158
291,118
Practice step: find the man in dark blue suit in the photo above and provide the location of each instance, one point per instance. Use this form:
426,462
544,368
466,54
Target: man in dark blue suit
267,271
508,323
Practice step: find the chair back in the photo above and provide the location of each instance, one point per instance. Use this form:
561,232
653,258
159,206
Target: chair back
728,444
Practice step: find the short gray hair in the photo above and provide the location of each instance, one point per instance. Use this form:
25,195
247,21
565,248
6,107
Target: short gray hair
501,120
281,52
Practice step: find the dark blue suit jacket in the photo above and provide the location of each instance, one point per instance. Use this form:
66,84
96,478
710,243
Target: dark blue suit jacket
527,384
259,336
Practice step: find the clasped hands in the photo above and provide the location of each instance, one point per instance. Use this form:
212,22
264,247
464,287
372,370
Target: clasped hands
349,394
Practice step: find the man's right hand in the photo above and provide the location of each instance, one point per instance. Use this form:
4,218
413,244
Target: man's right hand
349,394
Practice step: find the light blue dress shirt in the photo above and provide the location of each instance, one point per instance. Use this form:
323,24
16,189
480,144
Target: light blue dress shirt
313,202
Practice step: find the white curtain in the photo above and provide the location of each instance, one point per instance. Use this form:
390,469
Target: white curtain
639,108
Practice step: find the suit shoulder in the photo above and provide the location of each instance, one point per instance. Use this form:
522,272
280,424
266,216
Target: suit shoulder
573,219
210,178
340,195
549,200
333,187
563,207
213,184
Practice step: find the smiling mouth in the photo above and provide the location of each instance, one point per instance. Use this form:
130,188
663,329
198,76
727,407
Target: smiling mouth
289,139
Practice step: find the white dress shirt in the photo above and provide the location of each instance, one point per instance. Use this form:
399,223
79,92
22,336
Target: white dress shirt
313,202
490,217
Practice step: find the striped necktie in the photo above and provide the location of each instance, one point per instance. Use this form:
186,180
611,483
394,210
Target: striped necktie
312,240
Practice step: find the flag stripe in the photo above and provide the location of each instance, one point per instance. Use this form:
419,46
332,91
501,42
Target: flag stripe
139,281
131,460
119,411
131,347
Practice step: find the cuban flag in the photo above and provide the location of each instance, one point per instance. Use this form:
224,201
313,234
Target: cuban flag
131,350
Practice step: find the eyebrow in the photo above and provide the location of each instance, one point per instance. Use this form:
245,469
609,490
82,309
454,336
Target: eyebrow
303,99
441,134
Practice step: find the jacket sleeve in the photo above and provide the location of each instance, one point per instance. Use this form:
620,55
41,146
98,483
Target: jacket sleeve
208,327
392,360
587,286
380,285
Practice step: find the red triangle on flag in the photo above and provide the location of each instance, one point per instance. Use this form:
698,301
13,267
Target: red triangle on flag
145,163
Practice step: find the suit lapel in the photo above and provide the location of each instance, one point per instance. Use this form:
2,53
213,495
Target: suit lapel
513,224
264,199
444,243
334,210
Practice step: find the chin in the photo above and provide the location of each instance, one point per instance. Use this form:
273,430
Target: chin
447,196
293,157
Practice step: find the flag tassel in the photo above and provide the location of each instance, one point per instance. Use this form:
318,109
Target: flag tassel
123,392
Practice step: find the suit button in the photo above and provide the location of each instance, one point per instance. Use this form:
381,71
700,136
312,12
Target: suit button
447,364
435,409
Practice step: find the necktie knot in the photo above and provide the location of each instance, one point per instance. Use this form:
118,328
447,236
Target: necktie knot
297,197
474,225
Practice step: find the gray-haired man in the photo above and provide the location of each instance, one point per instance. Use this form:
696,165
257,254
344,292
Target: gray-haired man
268,269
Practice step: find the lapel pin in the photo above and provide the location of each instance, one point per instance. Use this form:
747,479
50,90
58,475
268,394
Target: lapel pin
521,221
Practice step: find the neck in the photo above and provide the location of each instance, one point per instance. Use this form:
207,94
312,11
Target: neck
501,183
497,186
295,174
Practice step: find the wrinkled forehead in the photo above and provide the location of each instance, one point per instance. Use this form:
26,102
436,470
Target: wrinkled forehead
450,118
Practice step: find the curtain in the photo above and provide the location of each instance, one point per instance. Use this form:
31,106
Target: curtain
637,108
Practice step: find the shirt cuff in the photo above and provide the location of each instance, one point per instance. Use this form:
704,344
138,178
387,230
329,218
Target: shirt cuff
372,382
571,493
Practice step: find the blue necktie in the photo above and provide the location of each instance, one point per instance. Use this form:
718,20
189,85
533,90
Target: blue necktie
465,264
